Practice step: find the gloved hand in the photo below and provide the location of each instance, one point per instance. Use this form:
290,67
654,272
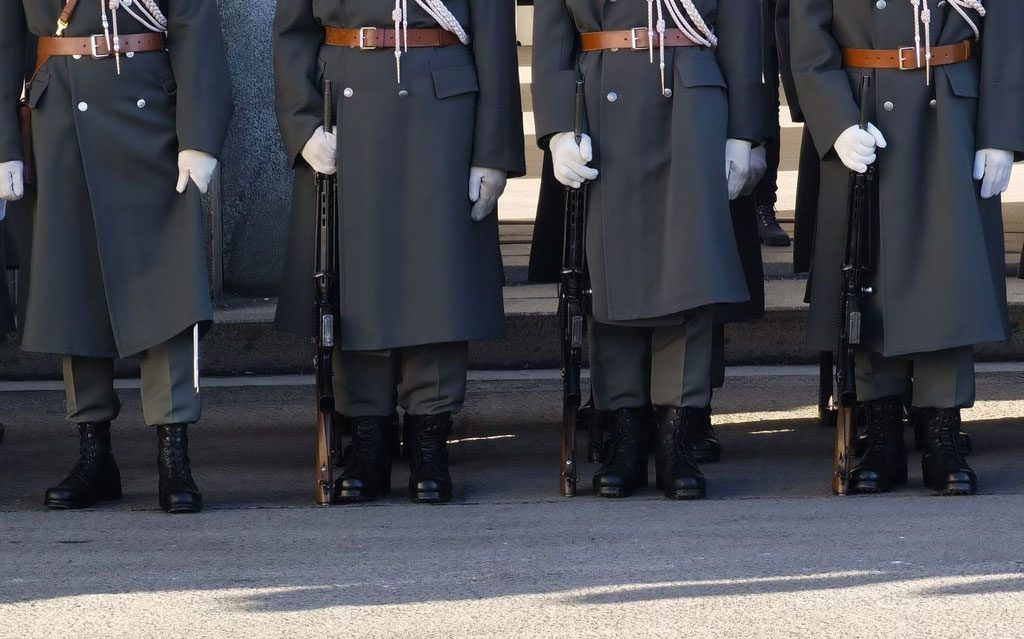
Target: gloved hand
737,165
485,187
198,166
12,180
321,151
993,168
856,147
758,167
570,160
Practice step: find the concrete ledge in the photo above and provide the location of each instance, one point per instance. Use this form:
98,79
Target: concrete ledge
244,342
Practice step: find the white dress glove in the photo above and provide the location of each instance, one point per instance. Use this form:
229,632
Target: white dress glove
993,168
737,166
12,181
485,187
198,167
321,151
758,168
856,147
570,160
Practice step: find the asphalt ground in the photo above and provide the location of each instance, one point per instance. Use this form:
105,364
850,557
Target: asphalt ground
770,554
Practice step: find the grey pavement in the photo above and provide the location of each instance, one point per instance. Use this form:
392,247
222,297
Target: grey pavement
770,554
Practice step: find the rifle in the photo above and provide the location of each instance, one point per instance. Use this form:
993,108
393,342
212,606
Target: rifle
325,277
854,274
572,299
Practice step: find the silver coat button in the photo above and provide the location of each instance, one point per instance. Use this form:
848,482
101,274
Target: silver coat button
82,106
880,4
933,102
348,92
403,93
130,54
77,57
888,106
141,104
613,96
668,93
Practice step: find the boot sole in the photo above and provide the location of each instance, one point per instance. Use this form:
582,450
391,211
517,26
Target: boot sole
614,493
877,487
183,510
775,242
67,505
686,495
952,490
431,498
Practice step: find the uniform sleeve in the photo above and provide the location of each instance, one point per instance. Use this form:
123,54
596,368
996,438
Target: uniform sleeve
826,99
785,68
739,30
12,76
195,44
297,41
1001,96
555,69
498,141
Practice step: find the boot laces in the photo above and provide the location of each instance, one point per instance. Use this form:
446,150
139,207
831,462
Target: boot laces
176,455
364,445
625,439
767,215
882,427
89,456
430,444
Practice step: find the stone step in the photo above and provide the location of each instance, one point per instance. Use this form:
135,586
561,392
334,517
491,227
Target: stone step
244,342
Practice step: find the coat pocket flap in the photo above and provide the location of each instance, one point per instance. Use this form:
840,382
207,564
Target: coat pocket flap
167,81
700,72
452,81
38,88
963,80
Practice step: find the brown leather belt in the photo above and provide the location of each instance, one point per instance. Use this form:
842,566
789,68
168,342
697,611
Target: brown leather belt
369,38
96,46
632,39
905,58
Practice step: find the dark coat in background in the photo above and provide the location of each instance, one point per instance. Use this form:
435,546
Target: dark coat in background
6,306
806,212
415,269
940,248
659,237
118,259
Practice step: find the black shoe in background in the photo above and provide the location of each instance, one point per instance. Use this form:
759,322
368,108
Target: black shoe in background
768,227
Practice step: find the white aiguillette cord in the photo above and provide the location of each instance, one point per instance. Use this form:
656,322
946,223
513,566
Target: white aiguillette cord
437,10
691,24
195,357
923,15
146,12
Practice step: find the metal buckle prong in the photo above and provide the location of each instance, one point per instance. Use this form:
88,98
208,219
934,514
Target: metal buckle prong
634,40
94,45
362,39
904,67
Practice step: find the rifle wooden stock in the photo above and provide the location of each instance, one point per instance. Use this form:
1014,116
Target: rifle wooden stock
325,331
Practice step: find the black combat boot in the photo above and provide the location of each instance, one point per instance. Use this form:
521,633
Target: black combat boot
943,465
699,436
366,465
677,471
883,465
178,491
429,480
915,418
94,478
768,227
625,454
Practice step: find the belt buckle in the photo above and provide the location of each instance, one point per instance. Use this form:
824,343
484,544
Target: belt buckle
634,40
362,39
900,53
94,45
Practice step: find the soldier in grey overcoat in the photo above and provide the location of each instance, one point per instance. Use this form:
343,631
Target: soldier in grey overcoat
674,98
945,122
426,136
129,111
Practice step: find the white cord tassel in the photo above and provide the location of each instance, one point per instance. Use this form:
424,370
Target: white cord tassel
691,24
923,15
195,357
926,18
437,10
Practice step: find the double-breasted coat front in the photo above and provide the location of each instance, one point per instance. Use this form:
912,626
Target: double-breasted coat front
118,259
415,268
659,238
941,274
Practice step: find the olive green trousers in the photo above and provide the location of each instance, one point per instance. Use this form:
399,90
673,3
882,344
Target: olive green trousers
940,379
423,380
633,367
169,385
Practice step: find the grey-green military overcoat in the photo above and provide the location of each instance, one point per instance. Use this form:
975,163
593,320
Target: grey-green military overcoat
415,268
118,260
660,238
940,249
